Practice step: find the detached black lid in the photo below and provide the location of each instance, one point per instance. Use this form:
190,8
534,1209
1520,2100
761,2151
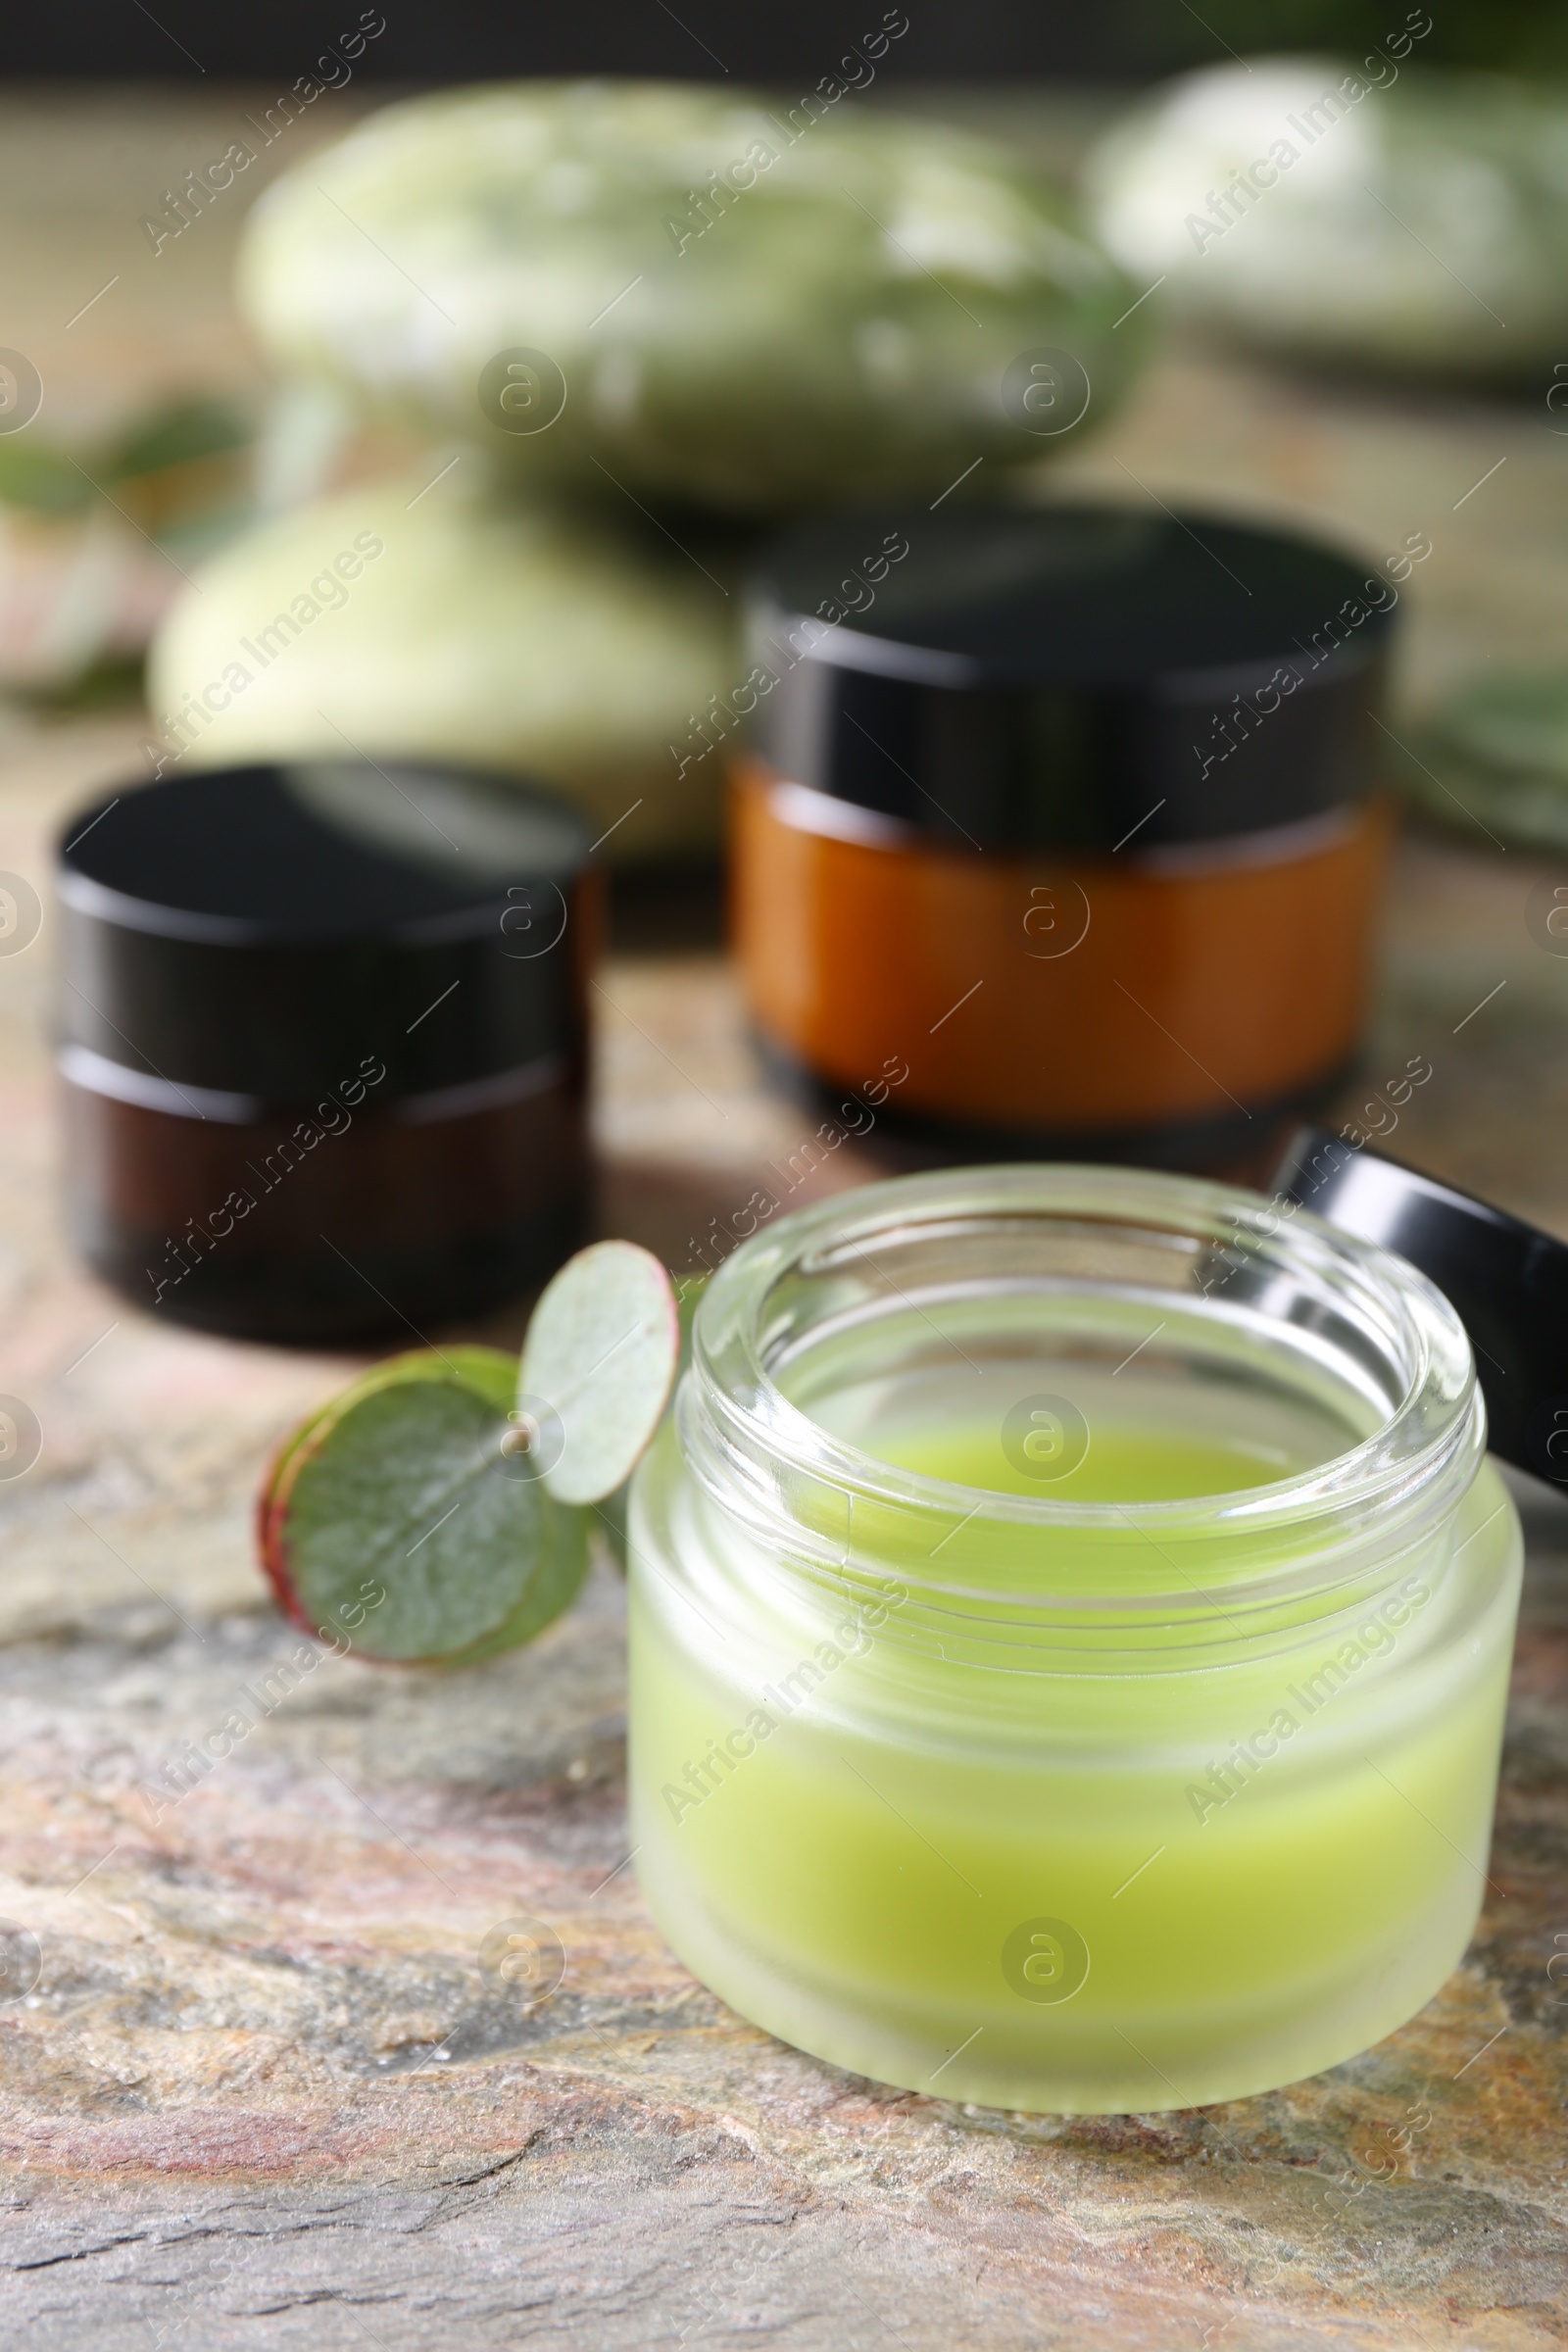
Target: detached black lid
1064,675
262,932
1507,1281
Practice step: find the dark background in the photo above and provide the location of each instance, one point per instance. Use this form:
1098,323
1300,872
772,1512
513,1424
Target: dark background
961,40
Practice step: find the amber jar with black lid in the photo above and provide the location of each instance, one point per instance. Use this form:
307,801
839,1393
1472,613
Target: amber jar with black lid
322,1045
1054,829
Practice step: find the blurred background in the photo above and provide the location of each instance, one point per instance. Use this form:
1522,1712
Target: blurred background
993,41
1386,365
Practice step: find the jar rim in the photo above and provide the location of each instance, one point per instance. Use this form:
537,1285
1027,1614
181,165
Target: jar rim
1436,1422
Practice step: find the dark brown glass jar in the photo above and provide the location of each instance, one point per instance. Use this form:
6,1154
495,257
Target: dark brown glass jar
322,1045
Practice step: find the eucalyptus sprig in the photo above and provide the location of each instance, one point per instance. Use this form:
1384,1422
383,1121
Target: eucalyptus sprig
457,1487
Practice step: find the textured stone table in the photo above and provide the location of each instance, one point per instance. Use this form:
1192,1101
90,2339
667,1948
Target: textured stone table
261,2093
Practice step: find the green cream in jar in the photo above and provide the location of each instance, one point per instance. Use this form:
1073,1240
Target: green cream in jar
1071,1615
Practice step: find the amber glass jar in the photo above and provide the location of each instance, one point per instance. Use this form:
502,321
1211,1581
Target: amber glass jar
1066,814
323,1045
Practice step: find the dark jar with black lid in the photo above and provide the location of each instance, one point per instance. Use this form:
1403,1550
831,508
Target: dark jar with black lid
1055,829
323,1045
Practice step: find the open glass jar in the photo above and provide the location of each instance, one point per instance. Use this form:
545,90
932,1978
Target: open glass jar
1071,1615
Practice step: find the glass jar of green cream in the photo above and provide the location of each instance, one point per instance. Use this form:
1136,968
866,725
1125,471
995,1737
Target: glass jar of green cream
1071,1616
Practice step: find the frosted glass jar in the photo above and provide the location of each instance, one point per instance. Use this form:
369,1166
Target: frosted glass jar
1071,1616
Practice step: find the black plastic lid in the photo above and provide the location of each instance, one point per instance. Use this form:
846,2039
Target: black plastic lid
1068,675
1507,1281
257,934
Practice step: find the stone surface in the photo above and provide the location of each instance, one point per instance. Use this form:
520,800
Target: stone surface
263,2090
262,2094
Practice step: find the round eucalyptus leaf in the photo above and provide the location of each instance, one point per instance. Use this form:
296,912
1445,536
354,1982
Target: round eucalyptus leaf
394,1519
602,1350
